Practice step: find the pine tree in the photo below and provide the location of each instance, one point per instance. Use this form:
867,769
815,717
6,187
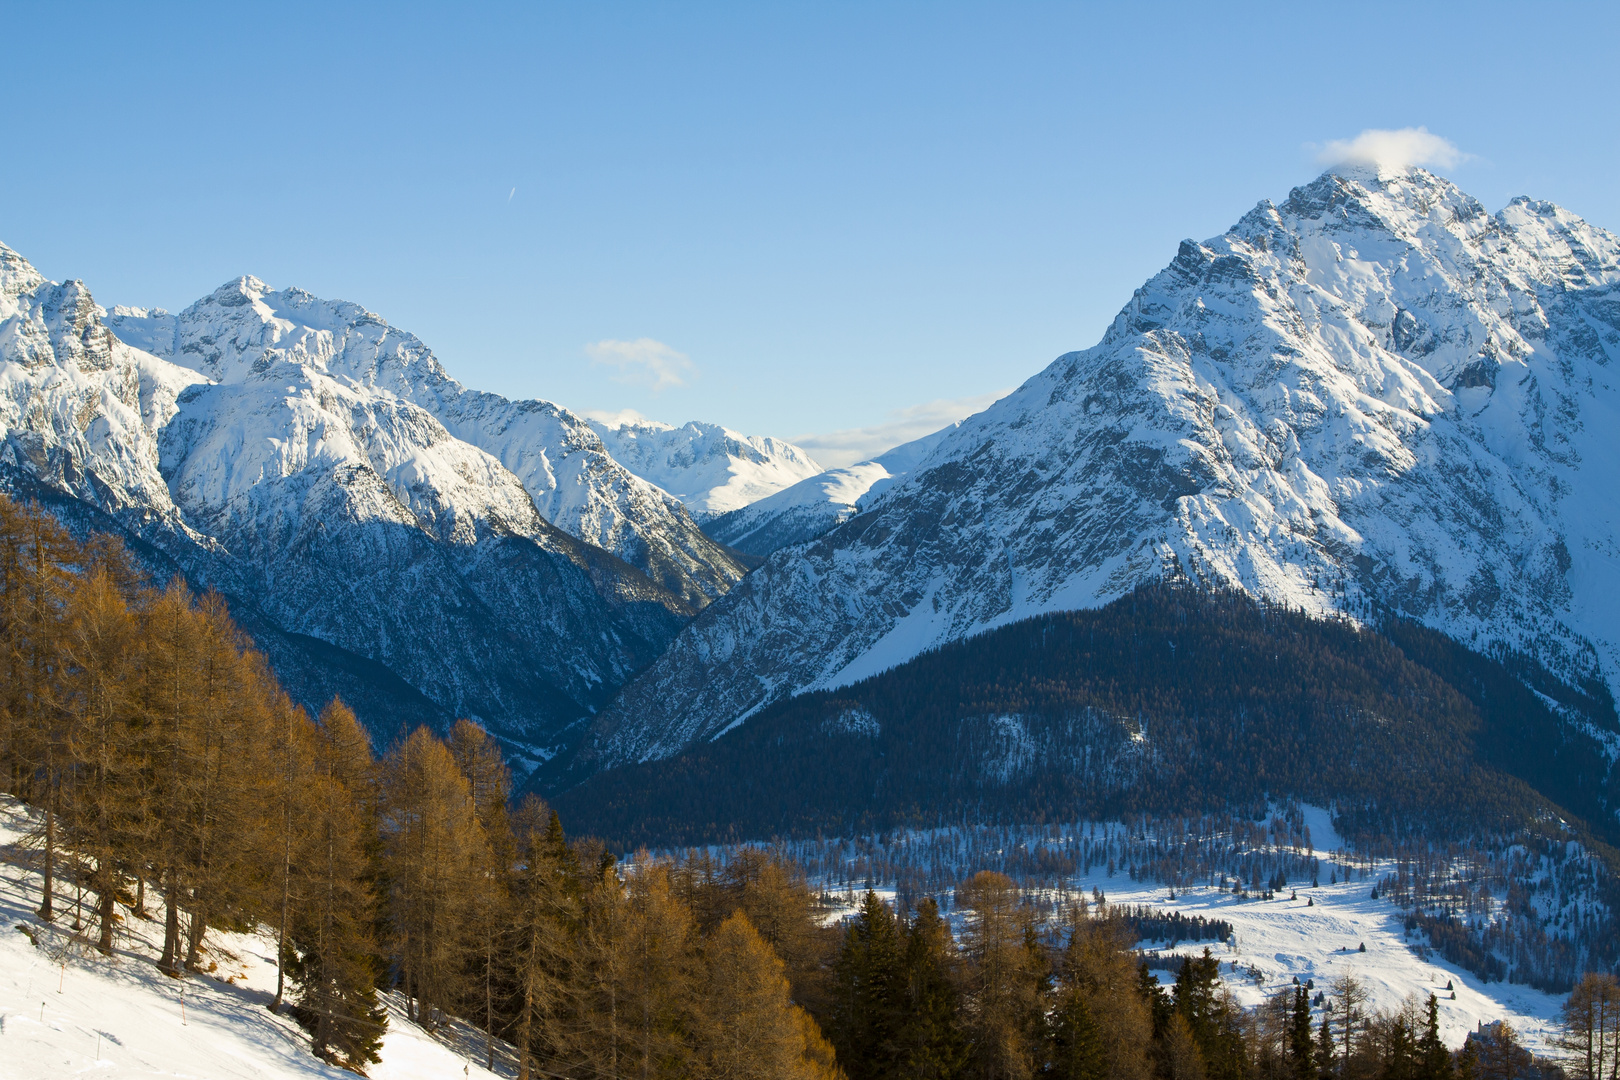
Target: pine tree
929,1043
1077,1047
1433,1059
1326,1061
1301,1059
546,916
869,977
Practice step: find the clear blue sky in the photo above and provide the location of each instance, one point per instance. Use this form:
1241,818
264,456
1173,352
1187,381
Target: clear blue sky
835,212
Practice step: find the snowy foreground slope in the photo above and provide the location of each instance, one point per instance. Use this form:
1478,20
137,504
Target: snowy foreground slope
67,1010
710,468
818,503
1375,396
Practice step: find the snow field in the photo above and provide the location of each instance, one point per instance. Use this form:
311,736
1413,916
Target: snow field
65,1010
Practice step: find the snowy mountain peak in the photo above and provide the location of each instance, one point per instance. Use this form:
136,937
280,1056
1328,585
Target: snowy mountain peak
1372,397
247,334
710,468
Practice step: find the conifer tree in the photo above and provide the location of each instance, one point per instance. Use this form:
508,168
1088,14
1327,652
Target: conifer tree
332,957
750,1029
1003,980
433,844
489,783
546,914
1590,1029
929,1044
1096,967
1301,1056
103,719
870,986
1433,1059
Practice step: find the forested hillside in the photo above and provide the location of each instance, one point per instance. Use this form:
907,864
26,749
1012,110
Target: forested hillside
1171,700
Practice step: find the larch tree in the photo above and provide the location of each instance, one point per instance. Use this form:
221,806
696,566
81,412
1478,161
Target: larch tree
433,845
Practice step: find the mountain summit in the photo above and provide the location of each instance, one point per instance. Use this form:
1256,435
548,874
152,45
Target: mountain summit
1376,398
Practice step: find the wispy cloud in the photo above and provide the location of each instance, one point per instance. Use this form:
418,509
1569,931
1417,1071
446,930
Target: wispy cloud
835,449
1393,149
643,362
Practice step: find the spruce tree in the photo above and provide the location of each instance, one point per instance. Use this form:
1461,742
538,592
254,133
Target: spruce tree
1433,1059
1301,1058
869,981
929,1042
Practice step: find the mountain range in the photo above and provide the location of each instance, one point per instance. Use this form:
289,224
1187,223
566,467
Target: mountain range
1375,399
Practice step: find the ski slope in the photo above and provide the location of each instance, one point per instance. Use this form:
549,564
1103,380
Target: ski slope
65,1010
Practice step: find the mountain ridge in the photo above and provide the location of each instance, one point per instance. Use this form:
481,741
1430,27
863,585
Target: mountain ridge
1374,397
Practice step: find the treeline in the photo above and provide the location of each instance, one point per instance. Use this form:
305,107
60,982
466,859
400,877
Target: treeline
171,778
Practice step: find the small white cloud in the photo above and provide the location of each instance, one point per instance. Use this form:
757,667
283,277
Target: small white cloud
614,418
835,449
1393,149
643,362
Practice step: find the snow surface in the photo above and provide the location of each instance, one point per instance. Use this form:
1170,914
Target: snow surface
386,403
818,503
710,468
66,1010
1375,395
1282,938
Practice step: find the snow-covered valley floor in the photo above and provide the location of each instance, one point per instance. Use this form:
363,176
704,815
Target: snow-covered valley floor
65,1010
1318,937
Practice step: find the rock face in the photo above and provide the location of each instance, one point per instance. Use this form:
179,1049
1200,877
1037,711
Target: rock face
237,335
710,468
1376,398
820,502
381,530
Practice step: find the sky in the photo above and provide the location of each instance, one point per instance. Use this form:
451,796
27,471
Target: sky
845,224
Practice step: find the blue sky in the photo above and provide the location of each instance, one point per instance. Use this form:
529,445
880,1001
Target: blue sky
788,218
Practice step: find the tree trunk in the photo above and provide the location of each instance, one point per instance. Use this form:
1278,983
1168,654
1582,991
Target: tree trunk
106,912
46,910
167,963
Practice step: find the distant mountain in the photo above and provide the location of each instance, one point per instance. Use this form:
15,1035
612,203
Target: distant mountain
711,469
1376,398
381,530
237,334
817,503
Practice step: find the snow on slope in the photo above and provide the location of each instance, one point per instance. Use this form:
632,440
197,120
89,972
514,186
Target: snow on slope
814,505
710,468
1376,395
249,336
68,1010
337,510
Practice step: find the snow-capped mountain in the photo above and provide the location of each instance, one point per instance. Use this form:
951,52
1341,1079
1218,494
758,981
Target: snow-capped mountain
712,469
239,333
815,504
1374,398
297,461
